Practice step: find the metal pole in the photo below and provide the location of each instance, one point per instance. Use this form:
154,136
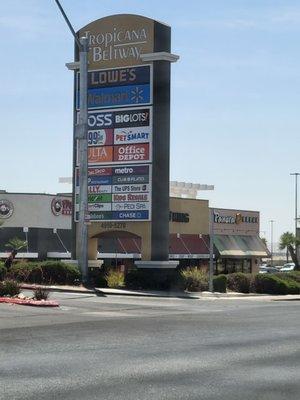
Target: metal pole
81,135
272,221
296,199
83,162
211,252
296,203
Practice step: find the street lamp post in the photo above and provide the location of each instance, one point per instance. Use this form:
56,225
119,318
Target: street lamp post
81,136
211,251
296,174
272,222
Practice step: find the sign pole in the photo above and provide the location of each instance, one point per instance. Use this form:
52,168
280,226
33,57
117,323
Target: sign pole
81,136
211,252
83,162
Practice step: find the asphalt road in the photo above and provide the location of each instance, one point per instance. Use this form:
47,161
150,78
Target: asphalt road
140,348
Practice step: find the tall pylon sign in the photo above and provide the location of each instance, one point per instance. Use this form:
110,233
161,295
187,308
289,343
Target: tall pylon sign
128,128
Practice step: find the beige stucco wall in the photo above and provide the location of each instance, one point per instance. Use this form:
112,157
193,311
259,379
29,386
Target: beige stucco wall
198,223
198,216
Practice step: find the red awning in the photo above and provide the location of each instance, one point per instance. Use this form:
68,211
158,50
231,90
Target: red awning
181,246
189,246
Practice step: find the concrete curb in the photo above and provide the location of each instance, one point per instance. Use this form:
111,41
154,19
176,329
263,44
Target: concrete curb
29,302
58,289
113,292
157,294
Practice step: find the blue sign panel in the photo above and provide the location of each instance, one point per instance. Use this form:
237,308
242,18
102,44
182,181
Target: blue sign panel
100,215
131,215
118,96
119,77
99,180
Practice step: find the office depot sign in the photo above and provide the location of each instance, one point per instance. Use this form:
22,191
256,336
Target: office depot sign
132,153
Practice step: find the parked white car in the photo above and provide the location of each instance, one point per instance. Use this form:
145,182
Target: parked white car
288,267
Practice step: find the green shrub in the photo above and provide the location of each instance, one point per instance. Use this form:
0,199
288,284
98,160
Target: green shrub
292,281
293,275
41,293
219,283
59,272
30,272
141,279
47,272
239,282
115,279
195,279
3,271
268,284
9,288
97,277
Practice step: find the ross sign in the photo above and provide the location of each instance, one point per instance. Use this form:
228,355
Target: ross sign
121,118
6,209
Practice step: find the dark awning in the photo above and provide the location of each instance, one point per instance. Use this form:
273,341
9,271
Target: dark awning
237,246
188,246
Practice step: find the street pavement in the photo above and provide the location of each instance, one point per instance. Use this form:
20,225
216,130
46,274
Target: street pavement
115,347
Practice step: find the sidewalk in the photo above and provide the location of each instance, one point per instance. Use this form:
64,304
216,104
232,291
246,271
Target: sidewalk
156,293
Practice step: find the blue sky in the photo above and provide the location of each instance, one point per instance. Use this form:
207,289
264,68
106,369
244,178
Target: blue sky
235,97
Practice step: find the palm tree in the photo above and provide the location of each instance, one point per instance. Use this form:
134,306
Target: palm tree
289,242
16,243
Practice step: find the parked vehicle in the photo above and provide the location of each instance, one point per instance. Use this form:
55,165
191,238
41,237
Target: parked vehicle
267,269
288,267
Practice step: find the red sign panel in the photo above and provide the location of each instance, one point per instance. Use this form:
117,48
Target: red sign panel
131,152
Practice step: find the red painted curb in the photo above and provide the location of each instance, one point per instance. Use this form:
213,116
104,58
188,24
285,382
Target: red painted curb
35,303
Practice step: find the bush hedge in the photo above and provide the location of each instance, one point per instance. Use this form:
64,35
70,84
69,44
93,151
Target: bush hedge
268,284
47,272
153,280
239,282
3,271
195,279
220,283
9,288
115,279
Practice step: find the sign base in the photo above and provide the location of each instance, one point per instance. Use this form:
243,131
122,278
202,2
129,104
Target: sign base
156,264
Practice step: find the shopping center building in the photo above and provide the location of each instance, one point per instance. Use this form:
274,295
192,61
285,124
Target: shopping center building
45,221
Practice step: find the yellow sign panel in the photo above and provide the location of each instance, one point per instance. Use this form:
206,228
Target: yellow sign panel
118,40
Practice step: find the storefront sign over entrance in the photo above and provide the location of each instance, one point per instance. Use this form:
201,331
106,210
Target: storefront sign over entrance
239,222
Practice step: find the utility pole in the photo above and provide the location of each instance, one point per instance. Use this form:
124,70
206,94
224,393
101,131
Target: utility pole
211,251
81,136
272,222
296,174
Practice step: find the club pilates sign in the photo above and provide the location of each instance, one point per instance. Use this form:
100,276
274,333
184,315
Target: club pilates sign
121,43
235,222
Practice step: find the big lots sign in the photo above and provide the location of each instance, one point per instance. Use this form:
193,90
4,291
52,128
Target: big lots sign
235,222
